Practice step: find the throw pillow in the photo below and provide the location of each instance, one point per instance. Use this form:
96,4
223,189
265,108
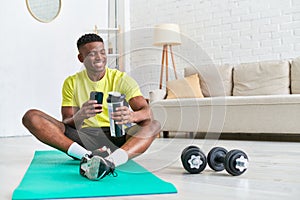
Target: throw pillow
187,87
215,80
295,76
261,78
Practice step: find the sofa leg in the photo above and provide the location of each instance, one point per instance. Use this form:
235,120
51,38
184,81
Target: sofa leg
165,134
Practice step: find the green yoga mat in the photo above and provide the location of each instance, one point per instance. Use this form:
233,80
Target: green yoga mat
52,174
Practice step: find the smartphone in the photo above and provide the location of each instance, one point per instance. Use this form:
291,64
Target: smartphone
97,96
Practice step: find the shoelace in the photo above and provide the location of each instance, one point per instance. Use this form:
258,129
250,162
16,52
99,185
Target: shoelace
113,173
112,169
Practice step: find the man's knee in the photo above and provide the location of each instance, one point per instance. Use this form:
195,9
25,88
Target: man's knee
29,116
149,130
153,129
156,125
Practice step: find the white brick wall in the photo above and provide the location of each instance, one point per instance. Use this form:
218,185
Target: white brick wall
228,31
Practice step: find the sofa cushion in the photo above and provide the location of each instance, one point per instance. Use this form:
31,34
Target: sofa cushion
295,76
215,80
261,78
187,87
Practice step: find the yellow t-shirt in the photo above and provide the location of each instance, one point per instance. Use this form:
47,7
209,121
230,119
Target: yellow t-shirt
77,88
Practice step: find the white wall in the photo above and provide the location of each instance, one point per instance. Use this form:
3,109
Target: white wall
37,57
228,31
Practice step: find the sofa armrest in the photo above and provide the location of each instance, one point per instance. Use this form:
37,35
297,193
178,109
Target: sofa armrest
156,95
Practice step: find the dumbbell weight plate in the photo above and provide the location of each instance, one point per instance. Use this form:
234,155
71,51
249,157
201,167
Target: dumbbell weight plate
212,158
236,162
194,161
188,148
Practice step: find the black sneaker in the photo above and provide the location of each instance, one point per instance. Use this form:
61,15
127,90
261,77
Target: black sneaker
96,167
102,152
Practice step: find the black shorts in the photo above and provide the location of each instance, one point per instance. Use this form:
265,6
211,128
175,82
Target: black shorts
94,138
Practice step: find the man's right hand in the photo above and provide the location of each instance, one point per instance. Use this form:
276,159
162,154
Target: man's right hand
88,109
75,116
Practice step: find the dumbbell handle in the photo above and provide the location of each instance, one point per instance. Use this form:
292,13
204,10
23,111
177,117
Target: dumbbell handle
220,157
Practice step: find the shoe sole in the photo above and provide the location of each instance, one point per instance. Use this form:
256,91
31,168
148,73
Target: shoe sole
93,168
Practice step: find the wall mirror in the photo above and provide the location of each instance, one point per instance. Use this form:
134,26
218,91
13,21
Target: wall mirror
44,10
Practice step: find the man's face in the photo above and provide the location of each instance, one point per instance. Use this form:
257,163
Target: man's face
93,56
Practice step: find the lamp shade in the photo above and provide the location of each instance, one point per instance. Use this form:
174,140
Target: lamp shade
167,34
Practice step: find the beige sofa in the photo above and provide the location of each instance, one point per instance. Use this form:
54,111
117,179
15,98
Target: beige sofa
261,97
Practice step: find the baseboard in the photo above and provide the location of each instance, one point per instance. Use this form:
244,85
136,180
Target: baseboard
283,137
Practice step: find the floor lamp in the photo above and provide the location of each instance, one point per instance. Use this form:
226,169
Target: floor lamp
166,35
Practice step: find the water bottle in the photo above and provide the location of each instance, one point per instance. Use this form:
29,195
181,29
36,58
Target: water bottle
115,100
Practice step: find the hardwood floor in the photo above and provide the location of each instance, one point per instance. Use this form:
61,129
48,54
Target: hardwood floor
273,173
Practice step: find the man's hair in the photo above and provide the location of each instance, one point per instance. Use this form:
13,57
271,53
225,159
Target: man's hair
87,38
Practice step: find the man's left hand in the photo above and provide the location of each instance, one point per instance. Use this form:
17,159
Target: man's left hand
123,115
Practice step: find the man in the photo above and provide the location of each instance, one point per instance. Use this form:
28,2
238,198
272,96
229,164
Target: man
84,131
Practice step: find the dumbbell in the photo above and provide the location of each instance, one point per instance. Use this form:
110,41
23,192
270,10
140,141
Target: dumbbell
193,159
235,161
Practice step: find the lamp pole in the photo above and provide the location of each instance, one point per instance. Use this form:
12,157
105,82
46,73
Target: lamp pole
165,64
